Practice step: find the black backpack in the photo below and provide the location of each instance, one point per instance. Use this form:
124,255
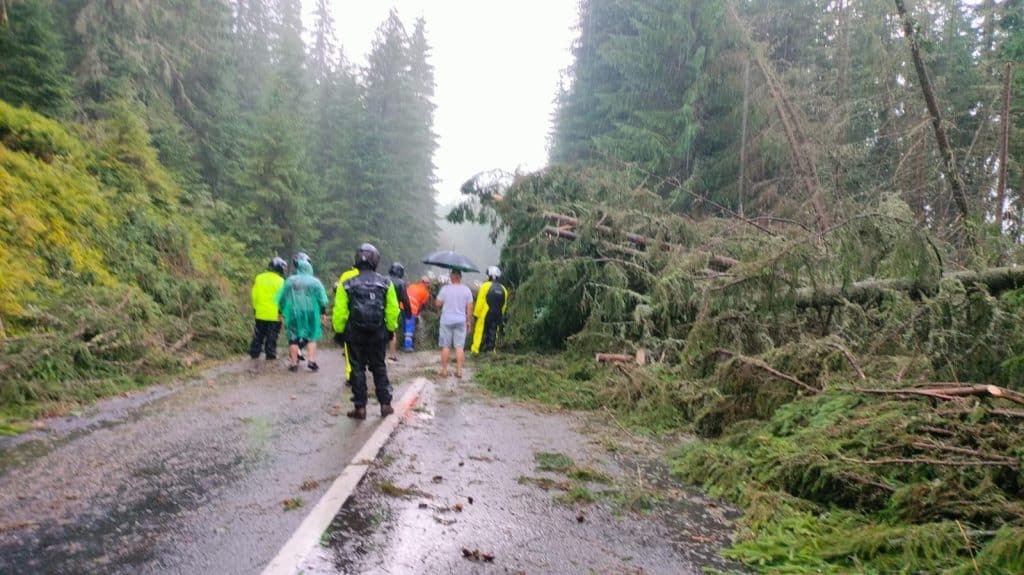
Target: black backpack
367,296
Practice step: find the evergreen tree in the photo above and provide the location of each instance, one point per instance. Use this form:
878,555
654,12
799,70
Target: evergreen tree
385,193
582,114
339,120
32,67
422,142
277,189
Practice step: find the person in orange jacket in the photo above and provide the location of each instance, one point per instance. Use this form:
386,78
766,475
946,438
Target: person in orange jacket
419,296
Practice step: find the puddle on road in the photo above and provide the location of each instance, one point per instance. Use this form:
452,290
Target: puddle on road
351,538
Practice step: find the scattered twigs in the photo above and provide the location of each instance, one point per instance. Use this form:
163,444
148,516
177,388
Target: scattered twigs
924,445
849,358
970,548
757,363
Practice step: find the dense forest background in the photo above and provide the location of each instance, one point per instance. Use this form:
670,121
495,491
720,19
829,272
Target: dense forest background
273,136
155,155
798,109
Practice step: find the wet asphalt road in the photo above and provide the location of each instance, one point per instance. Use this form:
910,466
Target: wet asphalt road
187,479
451,481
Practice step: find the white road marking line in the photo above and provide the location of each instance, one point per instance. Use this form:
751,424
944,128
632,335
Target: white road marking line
312,527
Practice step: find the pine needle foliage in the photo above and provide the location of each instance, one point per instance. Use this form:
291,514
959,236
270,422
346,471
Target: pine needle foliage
110,284
771,376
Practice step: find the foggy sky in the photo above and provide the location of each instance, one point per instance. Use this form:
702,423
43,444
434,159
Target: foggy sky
497,66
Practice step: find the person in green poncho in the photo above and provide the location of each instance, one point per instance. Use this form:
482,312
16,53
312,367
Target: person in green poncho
303,304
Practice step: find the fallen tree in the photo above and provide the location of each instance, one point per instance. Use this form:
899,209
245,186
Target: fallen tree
808,366
994,280
566,223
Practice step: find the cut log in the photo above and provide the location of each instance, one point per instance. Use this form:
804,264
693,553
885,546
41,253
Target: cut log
640,357
560,233
614,358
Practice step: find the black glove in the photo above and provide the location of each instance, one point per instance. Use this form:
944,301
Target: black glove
339,338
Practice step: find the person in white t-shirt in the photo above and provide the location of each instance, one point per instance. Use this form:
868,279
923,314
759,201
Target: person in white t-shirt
456,304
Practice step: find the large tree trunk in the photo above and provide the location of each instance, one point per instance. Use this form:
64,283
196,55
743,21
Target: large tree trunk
802,155
1004,145
743,137
997,280
948,159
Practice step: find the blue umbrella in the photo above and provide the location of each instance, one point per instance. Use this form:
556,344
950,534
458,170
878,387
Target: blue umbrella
450,260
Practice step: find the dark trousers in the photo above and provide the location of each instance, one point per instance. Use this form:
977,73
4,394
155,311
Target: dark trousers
491,323
369,354
264,338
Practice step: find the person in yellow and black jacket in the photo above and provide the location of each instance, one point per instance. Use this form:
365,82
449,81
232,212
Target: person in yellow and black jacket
489,311
365,315
345,276
264,306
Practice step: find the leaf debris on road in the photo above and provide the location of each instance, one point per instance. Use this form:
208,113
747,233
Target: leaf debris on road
477,555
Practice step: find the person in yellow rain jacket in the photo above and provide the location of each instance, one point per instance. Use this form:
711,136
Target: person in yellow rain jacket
345,276
268,317
489,311
365,315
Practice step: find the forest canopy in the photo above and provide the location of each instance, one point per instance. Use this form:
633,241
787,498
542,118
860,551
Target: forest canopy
159,154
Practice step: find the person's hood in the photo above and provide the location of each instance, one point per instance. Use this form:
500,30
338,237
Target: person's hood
305,268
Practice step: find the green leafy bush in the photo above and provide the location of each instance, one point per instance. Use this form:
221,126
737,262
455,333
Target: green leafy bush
109,282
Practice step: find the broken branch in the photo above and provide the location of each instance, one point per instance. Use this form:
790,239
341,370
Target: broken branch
756,363
928,461
950,393
849,358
